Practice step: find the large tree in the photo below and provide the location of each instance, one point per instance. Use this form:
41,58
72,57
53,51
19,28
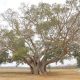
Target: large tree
41,34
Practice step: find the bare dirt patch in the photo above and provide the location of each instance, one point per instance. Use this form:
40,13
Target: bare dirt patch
24,74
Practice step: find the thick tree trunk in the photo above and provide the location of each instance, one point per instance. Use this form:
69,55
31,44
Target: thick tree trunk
43,69
38,69
78,61
32,72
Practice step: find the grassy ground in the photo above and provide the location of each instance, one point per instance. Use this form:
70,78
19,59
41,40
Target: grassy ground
54,74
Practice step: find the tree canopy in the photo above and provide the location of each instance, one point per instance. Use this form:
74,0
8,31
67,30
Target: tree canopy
41,34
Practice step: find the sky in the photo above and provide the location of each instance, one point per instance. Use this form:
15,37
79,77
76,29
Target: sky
15,4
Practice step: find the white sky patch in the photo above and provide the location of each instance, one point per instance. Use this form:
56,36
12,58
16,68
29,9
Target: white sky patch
66,63
14,4
13,64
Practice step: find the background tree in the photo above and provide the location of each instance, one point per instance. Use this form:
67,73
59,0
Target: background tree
3,51
75,51
40,35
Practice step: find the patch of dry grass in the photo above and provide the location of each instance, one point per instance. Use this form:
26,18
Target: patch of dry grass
54,74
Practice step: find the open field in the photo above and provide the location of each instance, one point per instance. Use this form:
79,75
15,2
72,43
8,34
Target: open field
24,74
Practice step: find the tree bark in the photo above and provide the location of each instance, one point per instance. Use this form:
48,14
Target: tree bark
38,69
